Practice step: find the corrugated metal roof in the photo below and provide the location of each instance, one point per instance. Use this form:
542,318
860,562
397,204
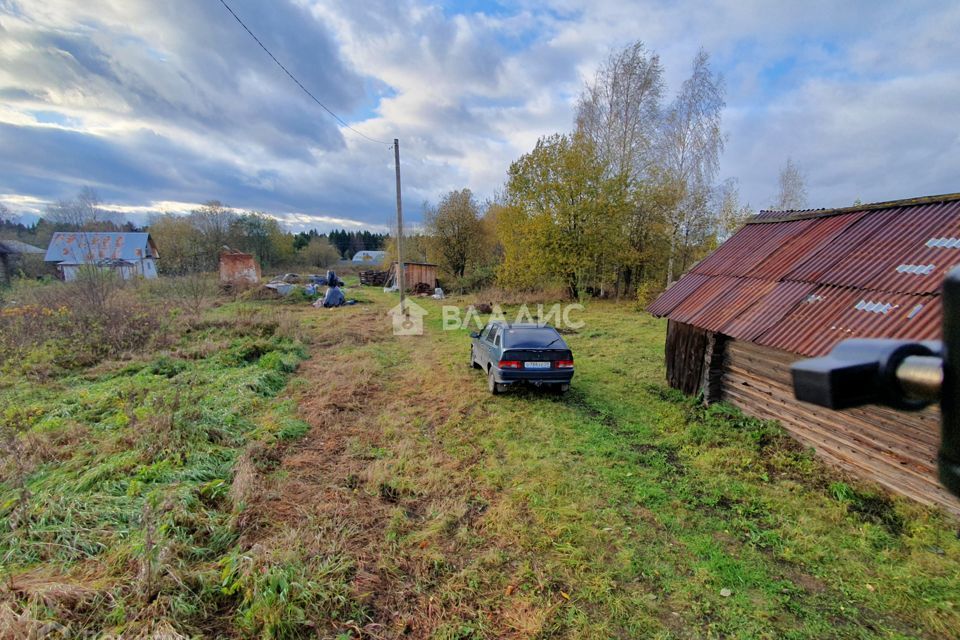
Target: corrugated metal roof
755,243
768,311
676,294
84,247
811,238
924,321
15,246
737,299
709,292
831,314
900,255
803,281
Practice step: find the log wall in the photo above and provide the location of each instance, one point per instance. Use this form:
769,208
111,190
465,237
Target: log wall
686,347
895,449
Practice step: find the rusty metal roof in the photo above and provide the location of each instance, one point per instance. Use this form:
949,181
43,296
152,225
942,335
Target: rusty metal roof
754,321
676,294
803,281
709,292
733,301
86,247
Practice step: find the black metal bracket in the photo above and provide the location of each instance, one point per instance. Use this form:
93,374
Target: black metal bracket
898,373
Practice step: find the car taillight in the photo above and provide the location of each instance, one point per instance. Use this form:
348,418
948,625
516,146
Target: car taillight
510,364
564,364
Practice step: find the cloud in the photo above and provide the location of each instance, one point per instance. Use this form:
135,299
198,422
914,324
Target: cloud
173,103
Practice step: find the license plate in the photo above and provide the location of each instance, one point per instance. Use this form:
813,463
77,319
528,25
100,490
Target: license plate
536,365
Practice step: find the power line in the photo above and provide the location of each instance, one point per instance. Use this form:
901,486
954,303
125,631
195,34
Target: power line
298,83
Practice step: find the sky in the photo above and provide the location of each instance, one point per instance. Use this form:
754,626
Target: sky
160,106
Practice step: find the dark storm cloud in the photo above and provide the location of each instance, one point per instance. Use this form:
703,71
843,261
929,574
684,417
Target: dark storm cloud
172,101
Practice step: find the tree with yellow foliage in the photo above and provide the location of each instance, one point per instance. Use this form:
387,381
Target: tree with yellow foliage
562,218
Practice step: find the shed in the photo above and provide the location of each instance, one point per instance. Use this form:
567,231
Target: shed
11,252
415,273
370,257
128,254
238,268
790,285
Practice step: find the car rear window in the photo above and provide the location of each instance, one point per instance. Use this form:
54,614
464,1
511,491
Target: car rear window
533,338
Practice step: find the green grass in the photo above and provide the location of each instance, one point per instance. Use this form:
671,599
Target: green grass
645,508
428,508
129,469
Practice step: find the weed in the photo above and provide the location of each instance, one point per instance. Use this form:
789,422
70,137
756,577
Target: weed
141,488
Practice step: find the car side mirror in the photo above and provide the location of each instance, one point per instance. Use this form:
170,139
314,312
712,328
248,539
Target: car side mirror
474,334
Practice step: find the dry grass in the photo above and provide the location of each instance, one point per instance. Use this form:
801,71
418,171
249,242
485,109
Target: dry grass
507,297
372,459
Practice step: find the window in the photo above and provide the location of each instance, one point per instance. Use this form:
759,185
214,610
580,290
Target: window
533,338
494,334
485,332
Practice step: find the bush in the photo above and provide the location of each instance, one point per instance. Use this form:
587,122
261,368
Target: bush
647,292
61,326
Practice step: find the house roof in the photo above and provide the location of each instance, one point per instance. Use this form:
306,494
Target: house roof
801,281
82,247
15,246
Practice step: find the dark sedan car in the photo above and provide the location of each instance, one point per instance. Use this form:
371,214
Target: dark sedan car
530,353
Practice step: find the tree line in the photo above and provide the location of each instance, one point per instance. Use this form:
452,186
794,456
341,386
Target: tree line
622,205
192,242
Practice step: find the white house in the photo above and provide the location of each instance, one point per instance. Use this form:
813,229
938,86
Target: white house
127,254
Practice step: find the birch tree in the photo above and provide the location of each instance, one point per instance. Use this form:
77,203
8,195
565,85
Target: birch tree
731,215
792,188
619,112
691,144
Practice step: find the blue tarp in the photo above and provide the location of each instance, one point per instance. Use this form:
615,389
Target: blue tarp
333,297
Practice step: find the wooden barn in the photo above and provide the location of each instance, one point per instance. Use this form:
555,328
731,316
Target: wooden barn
791,285
415,273
12,253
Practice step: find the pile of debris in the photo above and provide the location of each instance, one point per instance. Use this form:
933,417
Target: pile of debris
374,278
422,289
287,283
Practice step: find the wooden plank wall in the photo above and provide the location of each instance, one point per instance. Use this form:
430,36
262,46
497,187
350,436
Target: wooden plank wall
416,273
685,350
895,449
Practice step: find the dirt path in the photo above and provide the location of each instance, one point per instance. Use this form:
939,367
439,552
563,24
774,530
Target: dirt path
371,466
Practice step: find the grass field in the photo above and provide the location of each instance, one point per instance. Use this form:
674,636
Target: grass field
286,472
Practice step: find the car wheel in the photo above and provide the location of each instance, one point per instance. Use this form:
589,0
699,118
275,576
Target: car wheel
492,385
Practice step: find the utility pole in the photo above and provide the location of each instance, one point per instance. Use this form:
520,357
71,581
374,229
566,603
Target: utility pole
400,269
